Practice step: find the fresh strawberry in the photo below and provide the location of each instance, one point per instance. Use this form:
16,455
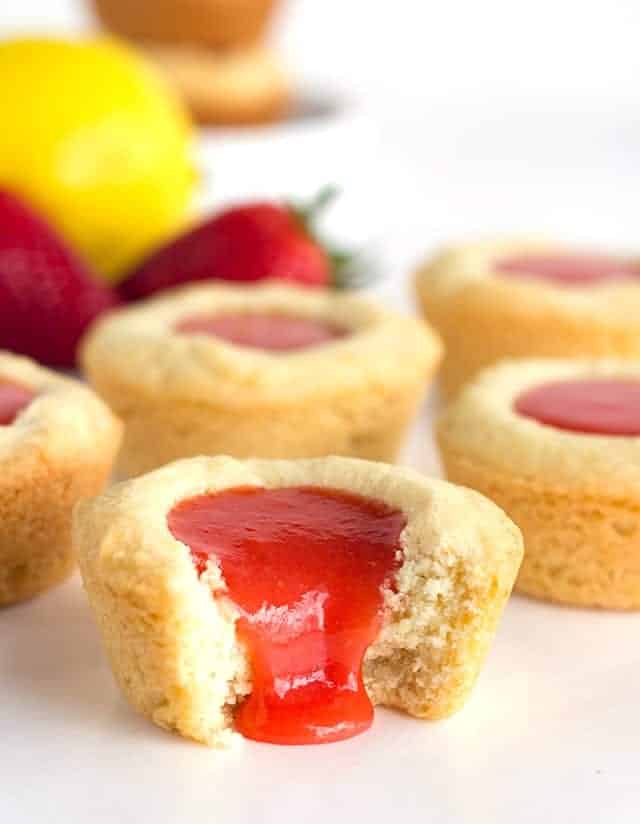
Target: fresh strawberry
245,243
47,295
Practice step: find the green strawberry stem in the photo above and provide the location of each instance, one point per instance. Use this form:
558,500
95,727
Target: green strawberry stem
352,270
349,269
308,213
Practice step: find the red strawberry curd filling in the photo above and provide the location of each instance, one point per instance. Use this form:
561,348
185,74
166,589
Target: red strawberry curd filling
263,331
305,568
568,270
13,399
597,407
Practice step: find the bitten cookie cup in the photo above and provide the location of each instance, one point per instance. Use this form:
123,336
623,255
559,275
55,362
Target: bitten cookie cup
484,314
574,494
243,87
185,394
58,449
170,633
213,23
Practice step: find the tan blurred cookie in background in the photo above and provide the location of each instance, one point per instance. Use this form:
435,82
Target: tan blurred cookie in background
213,23
226,88
211,51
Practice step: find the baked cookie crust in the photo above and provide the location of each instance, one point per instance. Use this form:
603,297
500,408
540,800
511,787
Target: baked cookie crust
212,23
172,646
243,87
484,317
58,450
182,395
575,496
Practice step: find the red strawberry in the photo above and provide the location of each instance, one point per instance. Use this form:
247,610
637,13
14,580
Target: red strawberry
246,243
48,297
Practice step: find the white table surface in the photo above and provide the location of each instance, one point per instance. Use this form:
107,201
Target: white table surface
552,732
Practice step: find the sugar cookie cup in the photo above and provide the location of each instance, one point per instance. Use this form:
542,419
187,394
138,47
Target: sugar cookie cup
183,394
488,304
170,632
244,87
58,442
219,24
575,493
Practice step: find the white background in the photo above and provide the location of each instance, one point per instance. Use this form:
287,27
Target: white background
479,117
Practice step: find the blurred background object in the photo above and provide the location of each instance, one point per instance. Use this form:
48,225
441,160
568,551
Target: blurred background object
240,87
93,138
469,119
48,296
218,24
211,50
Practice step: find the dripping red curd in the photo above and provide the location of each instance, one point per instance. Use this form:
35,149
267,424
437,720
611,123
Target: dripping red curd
263,331
13,399
306,568
568,270
595,406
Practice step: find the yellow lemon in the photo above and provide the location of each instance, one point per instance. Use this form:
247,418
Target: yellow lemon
91,135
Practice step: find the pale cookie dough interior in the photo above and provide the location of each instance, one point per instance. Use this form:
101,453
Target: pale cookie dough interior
172,645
